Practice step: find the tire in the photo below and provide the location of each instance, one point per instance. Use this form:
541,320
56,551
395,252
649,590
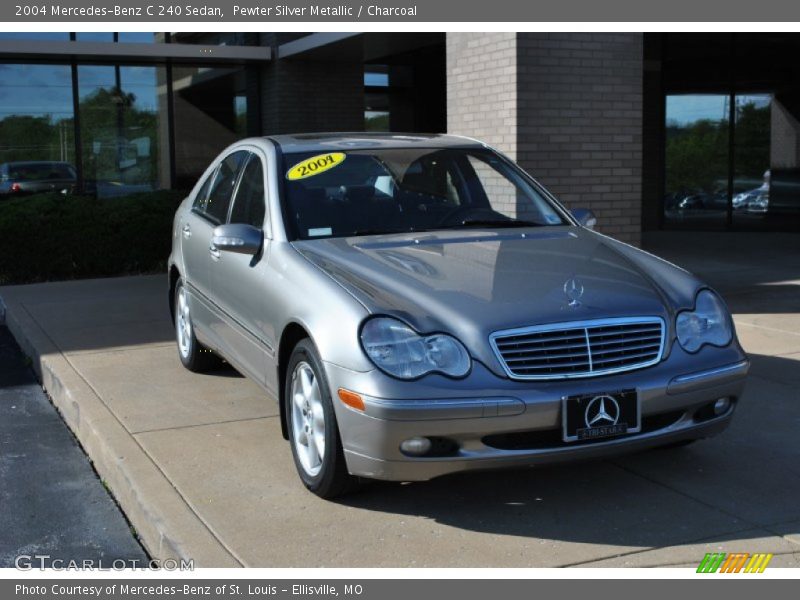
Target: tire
311,422
194,355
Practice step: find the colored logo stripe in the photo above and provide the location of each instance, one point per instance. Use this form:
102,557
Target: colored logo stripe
758,563
711,562
735,562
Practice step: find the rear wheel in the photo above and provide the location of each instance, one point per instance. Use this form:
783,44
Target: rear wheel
313,432
193,354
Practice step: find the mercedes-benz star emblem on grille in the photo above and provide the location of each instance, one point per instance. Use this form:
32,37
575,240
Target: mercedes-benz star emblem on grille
602,410
573,288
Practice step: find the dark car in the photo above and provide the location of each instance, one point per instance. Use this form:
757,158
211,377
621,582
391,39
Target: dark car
33,177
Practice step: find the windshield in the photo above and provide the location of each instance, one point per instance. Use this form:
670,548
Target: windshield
391,190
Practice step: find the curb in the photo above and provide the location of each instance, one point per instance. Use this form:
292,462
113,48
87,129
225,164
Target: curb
164,522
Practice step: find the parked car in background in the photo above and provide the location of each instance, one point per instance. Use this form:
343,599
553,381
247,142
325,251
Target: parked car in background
755,200
419,305
33,177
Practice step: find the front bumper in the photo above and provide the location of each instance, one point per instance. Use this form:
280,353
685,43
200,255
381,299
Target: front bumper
486,422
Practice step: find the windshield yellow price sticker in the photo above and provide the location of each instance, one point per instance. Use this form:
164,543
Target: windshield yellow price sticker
315,165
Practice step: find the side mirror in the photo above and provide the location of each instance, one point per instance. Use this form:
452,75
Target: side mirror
585,217
237,237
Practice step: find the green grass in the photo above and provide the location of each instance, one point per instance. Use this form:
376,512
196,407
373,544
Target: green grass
50,237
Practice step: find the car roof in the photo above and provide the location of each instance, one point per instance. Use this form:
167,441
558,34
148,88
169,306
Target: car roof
325,142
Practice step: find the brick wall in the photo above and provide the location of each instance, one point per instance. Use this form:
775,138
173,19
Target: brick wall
300,95
567,107
482,87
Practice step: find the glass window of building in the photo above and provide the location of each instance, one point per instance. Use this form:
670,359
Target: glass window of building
751,183
751,158
731,148
218,38
95,36
213,107
696,154
45,36
36,116
140,37
376,98
123,131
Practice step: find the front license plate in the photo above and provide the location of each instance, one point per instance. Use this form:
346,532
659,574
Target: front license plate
601,415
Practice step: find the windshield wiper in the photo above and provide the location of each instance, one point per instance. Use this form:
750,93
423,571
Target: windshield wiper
359,232
496,223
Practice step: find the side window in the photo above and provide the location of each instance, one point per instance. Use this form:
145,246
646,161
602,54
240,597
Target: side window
219,196
249,204
200,199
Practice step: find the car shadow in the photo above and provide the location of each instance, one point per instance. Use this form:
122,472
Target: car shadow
225,369
744,481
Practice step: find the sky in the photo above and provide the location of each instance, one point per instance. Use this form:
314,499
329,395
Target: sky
685,109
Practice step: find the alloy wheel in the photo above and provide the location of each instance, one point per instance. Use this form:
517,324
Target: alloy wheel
308,419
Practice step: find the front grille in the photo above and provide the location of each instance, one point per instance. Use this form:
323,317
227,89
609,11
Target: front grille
581,349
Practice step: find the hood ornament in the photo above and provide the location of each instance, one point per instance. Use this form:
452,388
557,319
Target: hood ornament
573,289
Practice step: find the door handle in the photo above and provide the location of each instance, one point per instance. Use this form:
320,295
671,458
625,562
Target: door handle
187,231
213,251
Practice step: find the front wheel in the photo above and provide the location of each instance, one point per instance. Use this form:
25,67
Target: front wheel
313,432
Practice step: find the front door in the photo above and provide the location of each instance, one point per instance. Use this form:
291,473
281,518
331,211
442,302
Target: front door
200,257
240,279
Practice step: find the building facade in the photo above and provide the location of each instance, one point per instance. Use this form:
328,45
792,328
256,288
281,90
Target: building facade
651,131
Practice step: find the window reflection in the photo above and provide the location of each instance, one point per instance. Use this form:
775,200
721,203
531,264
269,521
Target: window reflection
140,37
212,107
751,156
765,162
696,155
219,38
36,118
94,36
51,36
120,129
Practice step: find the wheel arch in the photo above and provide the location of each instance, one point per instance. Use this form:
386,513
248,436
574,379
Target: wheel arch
174,275
292,334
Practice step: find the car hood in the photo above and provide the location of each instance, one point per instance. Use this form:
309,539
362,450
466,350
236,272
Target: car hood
472,283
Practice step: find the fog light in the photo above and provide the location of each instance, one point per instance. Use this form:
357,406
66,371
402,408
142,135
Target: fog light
416,446
722,405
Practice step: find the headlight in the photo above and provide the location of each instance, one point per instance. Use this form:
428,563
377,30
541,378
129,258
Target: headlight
708,323
400,351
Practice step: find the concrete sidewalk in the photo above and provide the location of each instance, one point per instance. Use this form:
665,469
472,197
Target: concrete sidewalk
198,464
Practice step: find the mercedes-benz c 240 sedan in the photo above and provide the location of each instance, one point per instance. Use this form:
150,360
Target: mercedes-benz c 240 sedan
419,305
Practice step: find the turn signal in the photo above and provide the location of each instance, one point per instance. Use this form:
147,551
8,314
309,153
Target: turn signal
351,399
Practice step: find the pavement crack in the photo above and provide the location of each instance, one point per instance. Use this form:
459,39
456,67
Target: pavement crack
194,425
699,540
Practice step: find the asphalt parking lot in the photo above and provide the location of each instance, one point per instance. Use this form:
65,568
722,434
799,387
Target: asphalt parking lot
198,464
54,505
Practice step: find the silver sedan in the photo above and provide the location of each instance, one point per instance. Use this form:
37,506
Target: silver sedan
419,305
